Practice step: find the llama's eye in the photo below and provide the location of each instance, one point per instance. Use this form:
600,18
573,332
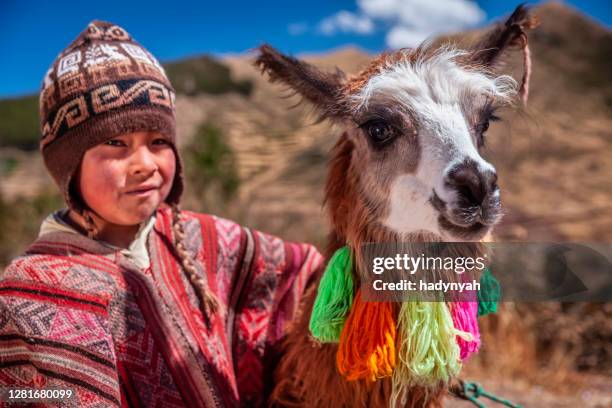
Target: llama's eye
379,131
482,128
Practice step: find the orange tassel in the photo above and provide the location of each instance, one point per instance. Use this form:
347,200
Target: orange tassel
367,342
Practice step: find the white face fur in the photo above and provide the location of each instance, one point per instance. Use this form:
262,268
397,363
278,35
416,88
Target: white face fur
440,96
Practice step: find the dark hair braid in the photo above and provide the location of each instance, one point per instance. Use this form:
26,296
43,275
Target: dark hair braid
92,230
208,300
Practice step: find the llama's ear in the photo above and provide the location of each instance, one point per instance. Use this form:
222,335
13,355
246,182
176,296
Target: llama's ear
513,32
504,35
322,89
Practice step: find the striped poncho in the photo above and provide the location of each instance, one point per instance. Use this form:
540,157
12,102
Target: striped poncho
78,314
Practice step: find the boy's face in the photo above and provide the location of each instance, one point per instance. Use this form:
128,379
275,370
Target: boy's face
126,178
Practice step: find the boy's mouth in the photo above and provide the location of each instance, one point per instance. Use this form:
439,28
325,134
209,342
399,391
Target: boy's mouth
142,190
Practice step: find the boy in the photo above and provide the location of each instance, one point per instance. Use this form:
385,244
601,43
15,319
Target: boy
124,298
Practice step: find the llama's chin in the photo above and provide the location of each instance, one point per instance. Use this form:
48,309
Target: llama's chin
454,232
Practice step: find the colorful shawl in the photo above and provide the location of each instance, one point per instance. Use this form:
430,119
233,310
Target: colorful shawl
78,314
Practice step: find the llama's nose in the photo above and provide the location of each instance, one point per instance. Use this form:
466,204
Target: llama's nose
472,183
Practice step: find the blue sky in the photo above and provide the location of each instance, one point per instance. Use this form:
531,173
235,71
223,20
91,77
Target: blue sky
33,32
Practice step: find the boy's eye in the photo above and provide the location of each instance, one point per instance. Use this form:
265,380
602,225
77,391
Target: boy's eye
160,141
114,142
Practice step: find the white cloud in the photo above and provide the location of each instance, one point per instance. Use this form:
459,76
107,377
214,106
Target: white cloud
384,9
401,36
408,22
346,22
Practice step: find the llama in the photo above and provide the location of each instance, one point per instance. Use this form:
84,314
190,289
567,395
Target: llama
406,168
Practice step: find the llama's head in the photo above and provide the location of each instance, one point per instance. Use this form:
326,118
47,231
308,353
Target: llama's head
409,161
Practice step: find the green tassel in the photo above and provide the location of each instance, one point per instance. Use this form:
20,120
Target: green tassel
428,353
489,293
334,298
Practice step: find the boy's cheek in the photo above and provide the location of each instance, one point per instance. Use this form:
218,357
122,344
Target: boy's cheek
168,164
102,190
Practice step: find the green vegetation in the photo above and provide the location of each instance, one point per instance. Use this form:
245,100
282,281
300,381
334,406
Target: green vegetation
8,165
204,75
19,123
211,168
20,222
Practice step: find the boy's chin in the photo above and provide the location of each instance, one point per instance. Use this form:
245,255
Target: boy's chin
143,216
132,217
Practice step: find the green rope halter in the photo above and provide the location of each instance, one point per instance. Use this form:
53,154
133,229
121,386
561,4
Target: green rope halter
471,391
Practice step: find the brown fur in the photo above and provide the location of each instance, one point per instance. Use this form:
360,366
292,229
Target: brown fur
317,87
511,33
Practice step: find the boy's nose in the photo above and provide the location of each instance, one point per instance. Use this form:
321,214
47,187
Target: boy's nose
143,161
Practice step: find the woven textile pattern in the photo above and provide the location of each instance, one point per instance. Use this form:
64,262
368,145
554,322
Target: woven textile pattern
74,314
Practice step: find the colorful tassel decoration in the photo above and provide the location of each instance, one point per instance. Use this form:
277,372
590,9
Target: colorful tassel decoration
489,293
465,321
433,338
334,298
367,342
428,354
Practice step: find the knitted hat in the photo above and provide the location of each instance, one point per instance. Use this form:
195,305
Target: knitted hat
103,85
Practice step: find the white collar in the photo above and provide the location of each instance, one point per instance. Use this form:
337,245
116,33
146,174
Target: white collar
136,251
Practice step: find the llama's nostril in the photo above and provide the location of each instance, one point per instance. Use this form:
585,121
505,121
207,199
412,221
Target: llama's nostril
472,184
491,180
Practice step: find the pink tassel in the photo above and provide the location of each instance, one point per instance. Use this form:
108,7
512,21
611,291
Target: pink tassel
465,321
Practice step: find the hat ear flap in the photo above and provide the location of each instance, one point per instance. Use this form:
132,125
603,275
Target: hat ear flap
72,194
176,191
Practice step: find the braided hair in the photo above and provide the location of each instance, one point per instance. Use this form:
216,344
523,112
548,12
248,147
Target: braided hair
208,301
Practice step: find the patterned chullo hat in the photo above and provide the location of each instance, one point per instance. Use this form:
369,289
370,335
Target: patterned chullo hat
102,85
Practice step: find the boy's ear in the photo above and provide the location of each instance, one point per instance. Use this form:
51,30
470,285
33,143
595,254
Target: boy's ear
513,32
322,89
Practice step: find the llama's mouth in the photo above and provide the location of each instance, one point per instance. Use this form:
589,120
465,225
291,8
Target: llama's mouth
464,229
475,230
